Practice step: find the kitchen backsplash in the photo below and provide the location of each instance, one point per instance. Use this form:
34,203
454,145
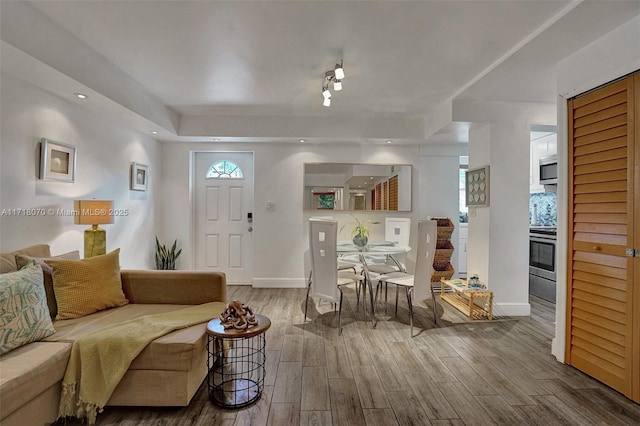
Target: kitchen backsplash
547,208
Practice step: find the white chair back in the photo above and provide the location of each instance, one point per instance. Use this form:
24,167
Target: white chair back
323,235
427,236
397,230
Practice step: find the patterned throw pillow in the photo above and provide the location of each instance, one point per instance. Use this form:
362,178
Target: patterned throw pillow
85,286
24,315
22,260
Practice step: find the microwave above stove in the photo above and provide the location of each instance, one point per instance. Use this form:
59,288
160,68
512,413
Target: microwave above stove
549,170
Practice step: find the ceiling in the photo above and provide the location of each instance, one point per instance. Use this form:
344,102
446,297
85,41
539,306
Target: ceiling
252,71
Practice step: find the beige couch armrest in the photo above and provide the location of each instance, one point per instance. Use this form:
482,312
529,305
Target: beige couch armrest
174,287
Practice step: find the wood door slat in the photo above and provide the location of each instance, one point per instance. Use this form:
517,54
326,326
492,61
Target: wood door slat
600,300
604,197
609,123
587,188
596,319
600,290
601,146
612,154
603,312
614,133
597,97
606,372
601,280
607,249
600,258
615,175
604,166
601,228
603,270
607,355
584,329
600,218
611,352
600,115
600,208
605,239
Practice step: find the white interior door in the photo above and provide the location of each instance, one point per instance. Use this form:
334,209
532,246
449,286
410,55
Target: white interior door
224,205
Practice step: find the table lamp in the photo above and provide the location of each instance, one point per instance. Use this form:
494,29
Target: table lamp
94,213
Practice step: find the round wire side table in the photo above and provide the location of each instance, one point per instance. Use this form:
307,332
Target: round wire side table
236,362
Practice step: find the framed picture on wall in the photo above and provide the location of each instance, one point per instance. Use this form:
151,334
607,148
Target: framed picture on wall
325,200
477,187
57,161
139,176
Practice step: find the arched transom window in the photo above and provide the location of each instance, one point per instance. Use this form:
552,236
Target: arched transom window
224,170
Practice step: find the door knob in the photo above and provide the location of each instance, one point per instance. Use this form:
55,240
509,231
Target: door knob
250,228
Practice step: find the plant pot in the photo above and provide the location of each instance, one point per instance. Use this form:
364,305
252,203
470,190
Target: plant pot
361,243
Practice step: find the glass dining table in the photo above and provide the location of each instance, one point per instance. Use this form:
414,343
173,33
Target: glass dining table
374,249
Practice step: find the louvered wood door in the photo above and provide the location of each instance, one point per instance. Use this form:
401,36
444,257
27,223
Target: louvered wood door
602,298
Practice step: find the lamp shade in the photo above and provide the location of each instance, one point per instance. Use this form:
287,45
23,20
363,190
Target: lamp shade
92,212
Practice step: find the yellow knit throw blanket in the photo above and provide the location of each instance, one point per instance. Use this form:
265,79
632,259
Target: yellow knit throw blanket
100,359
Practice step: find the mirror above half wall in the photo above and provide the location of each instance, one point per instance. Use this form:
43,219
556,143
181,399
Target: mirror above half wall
357,187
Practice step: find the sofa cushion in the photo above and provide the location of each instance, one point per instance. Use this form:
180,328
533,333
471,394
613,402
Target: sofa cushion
173,351
22,260
30,370
24,315
88,285
8,260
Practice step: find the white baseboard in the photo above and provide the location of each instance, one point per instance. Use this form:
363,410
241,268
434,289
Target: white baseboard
279,283
511,309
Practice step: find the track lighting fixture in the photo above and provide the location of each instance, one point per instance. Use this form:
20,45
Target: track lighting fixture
334,77
338,71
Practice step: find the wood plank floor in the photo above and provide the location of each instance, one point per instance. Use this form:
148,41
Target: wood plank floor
459,372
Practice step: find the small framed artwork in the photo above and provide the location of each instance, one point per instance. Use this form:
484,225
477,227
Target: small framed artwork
477,187
139,176
325,200
57,161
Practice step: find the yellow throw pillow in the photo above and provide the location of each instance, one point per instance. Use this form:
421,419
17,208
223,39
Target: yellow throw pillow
22,260
85,286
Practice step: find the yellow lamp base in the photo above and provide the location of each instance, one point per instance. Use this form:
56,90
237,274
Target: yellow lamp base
95,241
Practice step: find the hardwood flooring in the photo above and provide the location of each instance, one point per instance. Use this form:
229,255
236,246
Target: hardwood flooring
459,372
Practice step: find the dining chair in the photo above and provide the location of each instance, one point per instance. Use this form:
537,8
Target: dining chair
325,279
396,230
421,279
345,264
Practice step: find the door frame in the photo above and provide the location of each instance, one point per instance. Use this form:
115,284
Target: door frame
192,197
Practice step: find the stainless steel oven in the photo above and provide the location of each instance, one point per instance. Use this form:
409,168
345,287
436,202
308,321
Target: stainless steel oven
542,263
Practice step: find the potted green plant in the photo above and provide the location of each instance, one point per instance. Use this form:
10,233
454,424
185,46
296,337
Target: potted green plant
360,232
166,258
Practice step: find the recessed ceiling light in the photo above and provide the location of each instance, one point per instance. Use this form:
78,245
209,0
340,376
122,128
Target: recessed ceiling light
371,177
302,141
155,132
81,95
388,141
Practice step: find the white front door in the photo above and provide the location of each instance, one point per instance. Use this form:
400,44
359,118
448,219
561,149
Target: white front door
224,204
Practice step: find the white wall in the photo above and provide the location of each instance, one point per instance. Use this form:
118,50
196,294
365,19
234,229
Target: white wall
280,237
104,152
611,56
